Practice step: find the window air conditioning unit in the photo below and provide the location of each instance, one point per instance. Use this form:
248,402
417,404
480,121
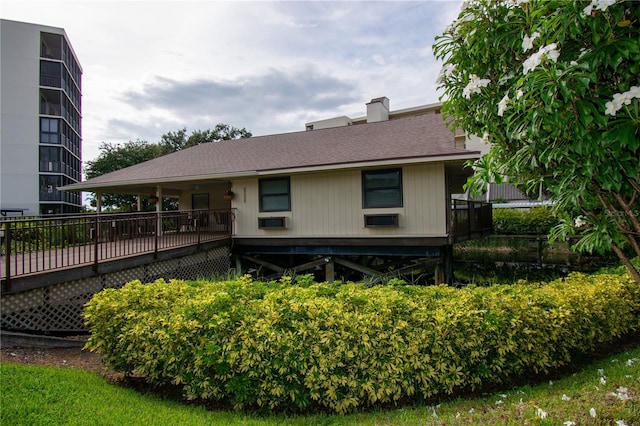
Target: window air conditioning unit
272,222
380,220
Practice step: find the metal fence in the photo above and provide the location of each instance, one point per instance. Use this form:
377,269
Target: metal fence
470,219
35,245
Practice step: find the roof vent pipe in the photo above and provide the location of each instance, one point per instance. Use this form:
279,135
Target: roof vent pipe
378,110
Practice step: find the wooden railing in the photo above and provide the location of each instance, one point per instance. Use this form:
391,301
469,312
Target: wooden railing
470,219
36,245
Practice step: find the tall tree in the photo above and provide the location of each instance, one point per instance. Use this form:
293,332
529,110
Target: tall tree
114,157
554,87
178,140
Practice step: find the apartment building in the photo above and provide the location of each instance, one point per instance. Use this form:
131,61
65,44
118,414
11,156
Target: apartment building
40,120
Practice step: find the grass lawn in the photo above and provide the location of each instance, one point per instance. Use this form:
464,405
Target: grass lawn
53,395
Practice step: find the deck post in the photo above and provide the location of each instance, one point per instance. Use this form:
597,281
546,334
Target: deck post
159,210
438,276
329,270
7,242
156,237
96,238
447,264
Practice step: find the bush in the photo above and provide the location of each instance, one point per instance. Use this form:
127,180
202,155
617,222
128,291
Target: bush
282,345
538,221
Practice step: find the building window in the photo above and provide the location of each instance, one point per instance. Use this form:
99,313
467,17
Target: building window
382,188
200,201
49,130
275,195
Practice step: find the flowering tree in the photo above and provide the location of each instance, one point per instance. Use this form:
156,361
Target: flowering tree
554,87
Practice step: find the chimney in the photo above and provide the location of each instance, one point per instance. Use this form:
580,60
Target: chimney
378,110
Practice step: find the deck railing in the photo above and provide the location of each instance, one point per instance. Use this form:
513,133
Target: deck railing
34,245
470,219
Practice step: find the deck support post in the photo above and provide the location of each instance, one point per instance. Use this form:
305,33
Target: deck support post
447,264
329,270
438,274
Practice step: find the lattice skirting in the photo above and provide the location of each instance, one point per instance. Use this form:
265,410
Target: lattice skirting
58,308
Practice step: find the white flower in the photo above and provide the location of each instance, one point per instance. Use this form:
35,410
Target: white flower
499,402
579,223
531,62
622,394
621,98
549,52
620,423
502,105
631,361
587,10
471,410
603,381
603,4
634,92
573,63
565,398
445,73
502,395
519,94
550,382
592,412
599,5
600,370
553,53
527,42
610,109
474,85
569,423
541,413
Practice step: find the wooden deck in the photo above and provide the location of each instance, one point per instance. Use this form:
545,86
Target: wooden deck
39,246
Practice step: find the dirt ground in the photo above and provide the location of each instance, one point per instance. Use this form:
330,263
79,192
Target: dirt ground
57,357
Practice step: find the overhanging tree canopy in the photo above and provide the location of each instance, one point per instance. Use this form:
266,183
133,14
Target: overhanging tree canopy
554,86
118,156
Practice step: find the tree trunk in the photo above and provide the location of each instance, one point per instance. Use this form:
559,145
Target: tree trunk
632,270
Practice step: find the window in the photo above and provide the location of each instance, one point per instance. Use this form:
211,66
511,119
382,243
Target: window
200,201
50,159
49,132
382,188
275,195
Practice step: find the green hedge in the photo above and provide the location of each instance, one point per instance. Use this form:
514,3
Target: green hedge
341,347
537,221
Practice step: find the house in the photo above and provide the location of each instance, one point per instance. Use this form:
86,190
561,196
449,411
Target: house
353,196
40,120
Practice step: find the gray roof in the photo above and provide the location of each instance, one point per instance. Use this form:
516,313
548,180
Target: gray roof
413,138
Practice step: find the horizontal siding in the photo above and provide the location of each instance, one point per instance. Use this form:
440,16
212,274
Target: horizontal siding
329,204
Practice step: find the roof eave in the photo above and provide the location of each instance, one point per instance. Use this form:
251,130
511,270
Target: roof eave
88,186
468,155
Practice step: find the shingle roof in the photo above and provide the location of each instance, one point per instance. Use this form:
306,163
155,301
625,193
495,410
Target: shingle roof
402,139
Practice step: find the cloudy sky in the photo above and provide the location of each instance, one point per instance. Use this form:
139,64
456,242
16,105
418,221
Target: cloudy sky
151,67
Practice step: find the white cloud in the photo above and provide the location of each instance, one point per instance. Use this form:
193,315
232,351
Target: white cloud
153,67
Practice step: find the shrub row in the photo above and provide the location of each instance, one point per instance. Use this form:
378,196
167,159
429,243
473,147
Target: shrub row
342,347
537,221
